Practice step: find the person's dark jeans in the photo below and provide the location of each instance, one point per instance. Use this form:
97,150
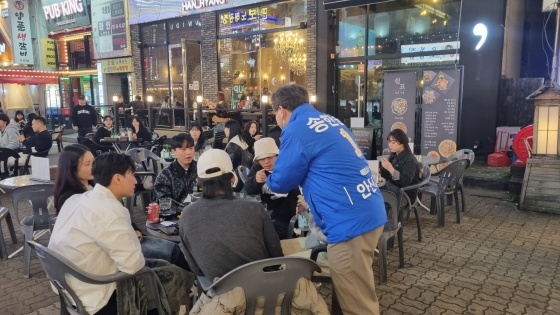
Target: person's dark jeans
83,131
153,247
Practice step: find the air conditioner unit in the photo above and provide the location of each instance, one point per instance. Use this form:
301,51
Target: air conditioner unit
549,5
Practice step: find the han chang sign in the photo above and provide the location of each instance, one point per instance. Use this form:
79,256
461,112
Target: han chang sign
65,14
189,5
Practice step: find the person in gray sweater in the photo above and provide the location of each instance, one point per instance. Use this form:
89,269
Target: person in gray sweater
220,232
8,133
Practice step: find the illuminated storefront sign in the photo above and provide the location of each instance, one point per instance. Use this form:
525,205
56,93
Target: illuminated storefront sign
189,5
119,65
435,47
67,14
49,54
110,29
242,16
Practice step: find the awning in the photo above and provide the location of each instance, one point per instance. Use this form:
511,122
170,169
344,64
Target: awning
28,76
337,4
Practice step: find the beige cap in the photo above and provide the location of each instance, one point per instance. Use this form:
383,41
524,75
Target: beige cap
213,163
264,148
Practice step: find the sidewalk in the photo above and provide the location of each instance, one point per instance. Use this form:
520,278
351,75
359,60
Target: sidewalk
499,260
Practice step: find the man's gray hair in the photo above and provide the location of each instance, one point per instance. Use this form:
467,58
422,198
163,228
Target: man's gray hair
289,96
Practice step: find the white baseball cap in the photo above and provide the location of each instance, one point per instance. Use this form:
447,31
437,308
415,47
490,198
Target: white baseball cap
264,148
214,163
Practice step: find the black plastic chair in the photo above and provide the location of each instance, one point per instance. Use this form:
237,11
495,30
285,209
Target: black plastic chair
261,279
156,146
424,180
58,268
5,214
448,184
95,148
57,137
219,140
460,154
391,229
147,169
5,155
39,220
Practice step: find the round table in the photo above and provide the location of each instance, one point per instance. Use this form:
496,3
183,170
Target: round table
156,233
20,181
424,159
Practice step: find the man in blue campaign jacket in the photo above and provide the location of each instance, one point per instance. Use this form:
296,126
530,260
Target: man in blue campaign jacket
319,153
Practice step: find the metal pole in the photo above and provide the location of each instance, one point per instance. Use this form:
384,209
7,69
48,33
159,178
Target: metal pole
554,75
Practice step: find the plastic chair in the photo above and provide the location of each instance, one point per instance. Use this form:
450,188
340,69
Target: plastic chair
448,184
39,220
243,173
424,180
5,155
459,155
57,268
157,145
147,166
95,148
261,279
57,137
218,139
5,214
391,229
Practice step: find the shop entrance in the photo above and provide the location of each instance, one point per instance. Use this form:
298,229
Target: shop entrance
351,90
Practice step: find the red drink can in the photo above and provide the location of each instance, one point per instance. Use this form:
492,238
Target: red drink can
153,213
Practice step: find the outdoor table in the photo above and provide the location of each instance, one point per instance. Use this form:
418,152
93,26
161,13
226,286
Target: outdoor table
12,183
153,230
116,144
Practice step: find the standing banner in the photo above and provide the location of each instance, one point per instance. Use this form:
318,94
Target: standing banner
399,103
21,32
440,111
110,30
48,52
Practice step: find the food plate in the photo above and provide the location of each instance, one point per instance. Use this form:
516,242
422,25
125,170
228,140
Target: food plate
428,76
429,95
399,106
442,82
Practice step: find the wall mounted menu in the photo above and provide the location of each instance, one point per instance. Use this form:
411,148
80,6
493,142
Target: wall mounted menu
399,103
440,111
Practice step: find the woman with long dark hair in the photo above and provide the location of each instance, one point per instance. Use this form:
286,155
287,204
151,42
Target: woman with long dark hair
237,148
251,134
139,131
74,173
19,119
75,177
197,134
401,169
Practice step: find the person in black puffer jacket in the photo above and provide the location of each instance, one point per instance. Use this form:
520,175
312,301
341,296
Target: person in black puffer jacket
283,206
237,149
177,180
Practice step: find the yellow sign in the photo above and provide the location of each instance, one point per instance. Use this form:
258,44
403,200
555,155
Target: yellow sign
49,53
118,65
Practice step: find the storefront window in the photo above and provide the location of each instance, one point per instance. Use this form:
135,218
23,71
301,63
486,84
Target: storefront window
184,29
284,14
405,31
352,31
154,34
156,72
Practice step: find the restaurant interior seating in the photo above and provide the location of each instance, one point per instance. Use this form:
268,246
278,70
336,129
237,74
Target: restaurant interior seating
263,278
448,184
58,268
39,220
5,215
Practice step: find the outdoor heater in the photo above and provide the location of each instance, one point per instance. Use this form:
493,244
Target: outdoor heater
542,175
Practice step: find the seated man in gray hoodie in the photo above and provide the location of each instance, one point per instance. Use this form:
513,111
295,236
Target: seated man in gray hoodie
8,133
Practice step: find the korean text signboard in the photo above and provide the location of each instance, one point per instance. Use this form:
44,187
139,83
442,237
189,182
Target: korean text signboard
110,29
365,140
118,65
65,14
440,111
48,53
399,103
21,32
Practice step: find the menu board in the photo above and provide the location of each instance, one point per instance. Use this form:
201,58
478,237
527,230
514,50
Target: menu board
399,103
440,111
364,138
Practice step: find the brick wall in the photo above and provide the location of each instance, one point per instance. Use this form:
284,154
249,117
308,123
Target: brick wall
136,62
312,47
209,55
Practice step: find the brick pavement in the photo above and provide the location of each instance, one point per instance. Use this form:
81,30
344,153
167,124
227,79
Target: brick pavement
499,260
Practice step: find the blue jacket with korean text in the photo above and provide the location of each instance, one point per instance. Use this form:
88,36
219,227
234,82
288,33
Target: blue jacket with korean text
320,154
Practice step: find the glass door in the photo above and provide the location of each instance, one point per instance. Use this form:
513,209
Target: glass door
351,90
192,72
